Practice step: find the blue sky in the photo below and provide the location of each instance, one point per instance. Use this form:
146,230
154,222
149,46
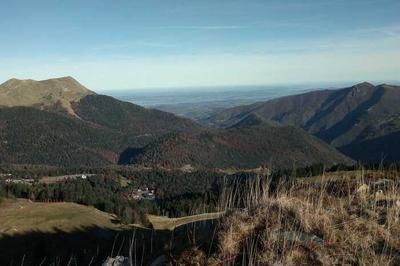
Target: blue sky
152,44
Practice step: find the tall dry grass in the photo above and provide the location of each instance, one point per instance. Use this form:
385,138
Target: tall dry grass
336,219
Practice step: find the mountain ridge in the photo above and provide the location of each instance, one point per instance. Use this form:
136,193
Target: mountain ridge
100,130
340,117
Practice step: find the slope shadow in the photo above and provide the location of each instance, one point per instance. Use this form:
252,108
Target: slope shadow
350,119
92,245
385,149
327,107
128,155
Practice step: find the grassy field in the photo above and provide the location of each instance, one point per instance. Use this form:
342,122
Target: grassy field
22,216
165,223
32,232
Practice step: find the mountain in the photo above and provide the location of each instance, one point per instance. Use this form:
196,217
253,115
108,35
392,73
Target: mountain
61,123
360,116
44,94
242,147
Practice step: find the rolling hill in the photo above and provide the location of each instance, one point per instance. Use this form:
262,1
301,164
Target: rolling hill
73,126
360,120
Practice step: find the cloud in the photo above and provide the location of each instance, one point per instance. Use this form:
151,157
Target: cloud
391,31
210,27
355,41
131,44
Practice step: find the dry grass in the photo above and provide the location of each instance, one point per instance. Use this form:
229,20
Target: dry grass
343,219
192,257
165,223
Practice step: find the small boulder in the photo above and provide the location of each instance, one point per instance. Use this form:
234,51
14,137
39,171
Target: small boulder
116,261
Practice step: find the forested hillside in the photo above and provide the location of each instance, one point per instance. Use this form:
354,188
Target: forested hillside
30,136
242,147
359,116
129,118
73,127
59,122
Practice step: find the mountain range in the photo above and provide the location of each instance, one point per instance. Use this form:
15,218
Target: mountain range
361,121
60,122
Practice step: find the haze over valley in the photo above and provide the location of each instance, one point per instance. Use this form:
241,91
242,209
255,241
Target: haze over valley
200,103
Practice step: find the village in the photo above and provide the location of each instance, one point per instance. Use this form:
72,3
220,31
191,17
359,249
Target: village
9,179
132,193
146,193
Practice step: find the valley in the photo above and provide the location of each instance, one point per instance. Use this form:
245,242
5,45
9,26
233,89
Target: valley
200,103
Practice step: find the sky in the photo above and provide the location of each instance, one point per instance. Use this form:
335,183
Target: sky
114,45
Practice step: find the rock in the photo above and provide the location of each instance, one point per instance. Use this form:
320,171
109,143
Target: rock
302,237
187,168
116,261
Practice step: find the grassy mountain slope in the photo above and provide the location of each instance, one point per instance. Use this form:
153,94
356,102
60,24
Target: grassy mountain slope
52,93
343,118
22,216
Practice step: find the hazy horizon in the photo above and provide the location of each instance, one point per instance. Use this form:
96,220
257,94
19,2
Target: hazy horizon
179,44
296,86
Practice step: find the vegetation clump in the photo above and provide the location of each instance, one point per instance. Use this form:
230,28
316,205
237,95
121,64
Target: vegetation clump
328,221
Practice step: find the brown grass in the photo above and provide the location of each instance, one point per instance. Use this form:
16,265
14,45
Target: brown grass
345,219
